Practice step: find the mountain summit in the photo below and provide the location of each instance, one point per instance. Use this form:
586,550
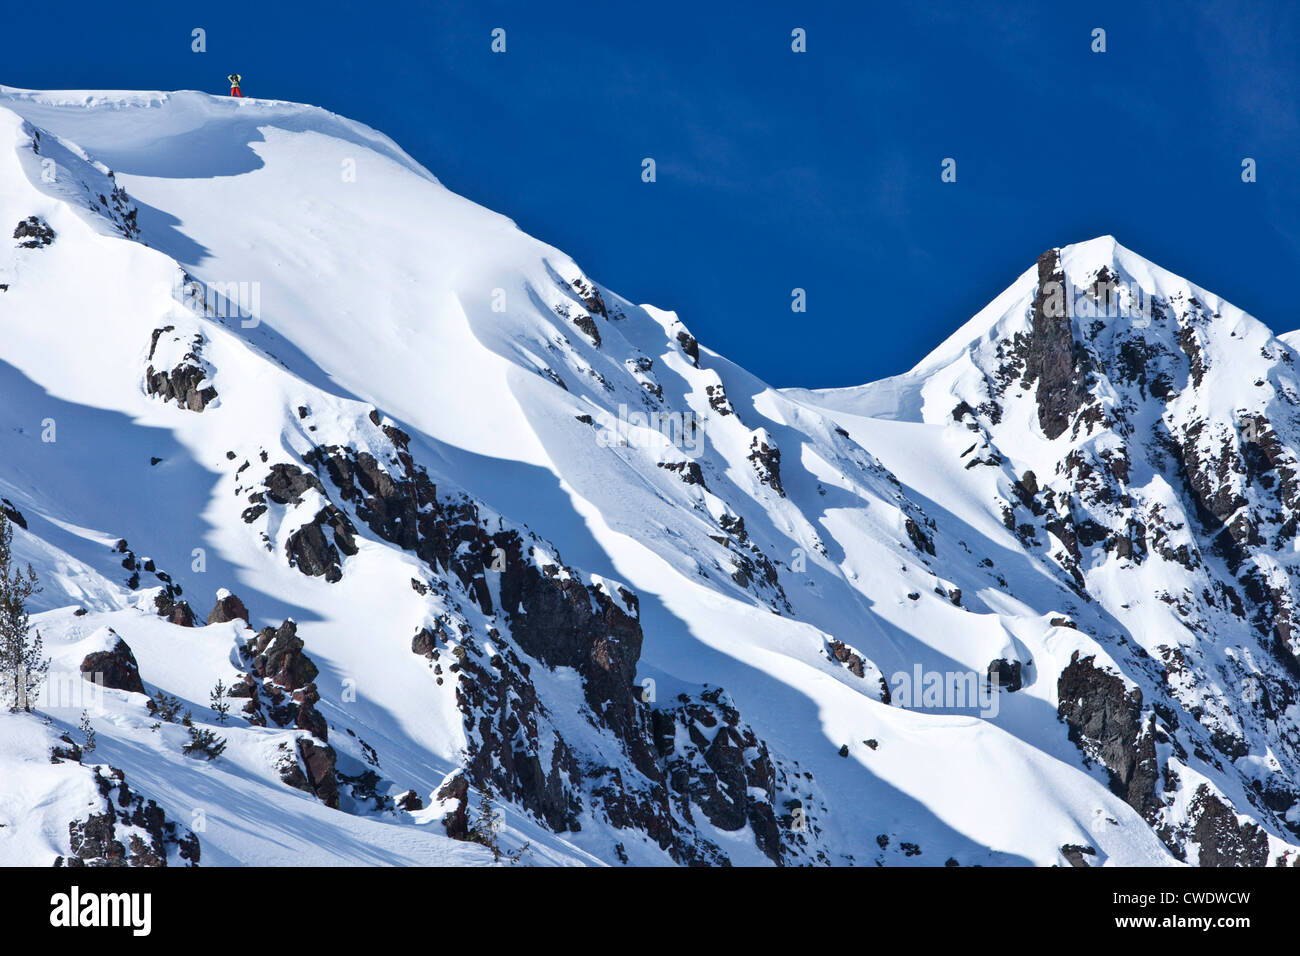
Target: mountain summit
463,532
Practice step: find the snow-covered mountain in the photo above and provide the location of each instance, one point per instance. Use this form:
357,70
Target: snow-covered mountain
451,517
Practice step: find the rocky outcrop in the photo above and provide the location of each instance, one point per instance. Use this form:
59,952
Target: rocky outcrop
1005,675
279,687
409,801
564,623
841,652
184,381
920,540
227,608
277,655
689,471
690,347
173,611
1078,856
8,509
766,459
129,831
587,325
718,401
512,748
454,790
590,297
115,667
138,566
314,549
399,504
311,767
279,690
1052,357
33,233
318,761
714,761
1105,721
1221,838
555,619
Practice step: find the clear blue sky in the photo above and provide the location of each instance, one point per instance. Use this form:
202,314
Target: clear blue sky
779,170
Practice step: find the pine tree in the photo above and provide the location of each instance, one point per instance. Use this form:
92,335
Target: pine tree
486,829
88,732
219,705
22,659
485,825
165,706
203,741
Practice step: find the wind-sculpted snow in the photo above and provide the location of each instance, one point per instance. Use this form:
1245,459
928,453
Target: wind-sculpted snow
481,536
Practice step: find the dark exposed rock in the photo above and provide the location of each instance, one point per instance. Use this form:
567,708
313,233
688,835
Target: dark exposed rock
920,540
1007,674
689,470
96,841
1222,841
173,611
1074,854
401,508
424,643
277,655
1053,358
847,656
509,744
318,760
8,509
561,622
588,327
766,459
245,687
279,687
289,766
456,820
33,233
182,383
1105,722
70,750
714,761
307,717
689,346
228,608
115,667
590,297
1027,489
313,553
288,484
718,401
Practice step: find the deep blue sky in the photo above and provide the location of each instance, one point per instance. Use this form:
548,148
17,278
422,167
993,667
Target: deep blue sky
775,169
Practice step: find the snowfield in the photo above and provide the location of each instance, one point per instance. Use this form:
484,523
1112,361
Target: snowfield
494,527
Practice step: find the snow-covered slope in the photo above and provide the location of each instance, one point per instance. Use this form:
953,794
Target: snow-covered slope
494,527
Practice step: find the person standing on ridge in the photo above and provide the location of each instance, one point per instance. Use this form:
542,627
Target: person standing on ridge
234,79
